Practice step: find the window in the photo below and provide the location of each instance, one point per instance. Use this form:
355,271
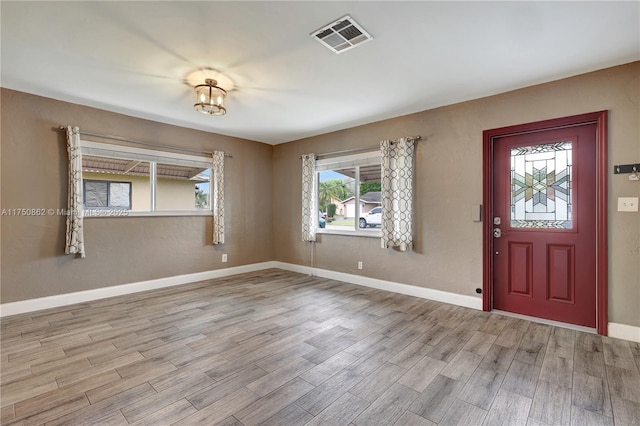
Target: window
97,168
100,194
145,182
349,194
541,186
182,187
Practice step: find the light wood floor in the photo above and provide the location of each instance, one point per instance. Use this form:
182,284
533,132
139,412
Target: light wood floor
280,348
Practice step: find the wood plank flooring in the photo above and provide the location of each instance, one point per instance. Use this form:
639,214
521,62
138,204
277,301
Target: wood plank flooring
280,348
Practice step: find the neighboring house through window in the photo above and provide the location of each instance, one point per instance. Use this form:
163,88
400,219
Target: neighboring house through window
144,181
349,194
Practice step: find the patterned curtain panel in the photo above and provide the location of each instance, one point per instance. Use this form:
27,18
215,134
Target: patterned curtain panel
75,234
397,193
217,197
309,201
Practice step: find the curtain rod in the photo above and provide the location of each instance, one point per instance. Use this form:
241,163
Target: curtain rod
121,139
359,150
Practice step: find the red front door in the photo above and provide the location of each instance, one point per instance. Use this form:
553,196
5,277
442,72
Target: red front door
544,243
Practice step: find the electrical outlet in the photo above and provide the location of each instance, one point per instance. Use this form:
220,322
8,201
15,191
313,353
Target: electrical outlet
627,204
224,257
359,264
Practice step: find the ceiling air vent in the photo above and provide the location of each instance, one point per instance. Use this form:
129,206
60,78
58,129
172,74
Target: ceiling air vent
341,35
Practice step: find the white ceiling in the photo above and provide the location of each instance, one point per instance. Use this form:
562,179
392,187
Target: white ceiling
133,57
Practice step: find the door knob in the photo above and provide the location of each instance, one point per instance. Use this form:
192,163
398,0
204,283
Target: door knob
497,232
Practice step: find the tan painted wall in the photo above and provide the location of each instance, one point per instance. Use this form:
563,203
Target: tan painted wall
261,178
448,246
119,250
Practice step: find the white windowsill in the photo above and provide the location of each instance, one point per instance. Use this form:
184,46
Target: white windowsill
366,234
90,214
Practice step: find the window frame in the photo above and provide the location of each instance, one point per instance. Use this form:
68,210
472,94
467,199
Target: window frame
153,157
354,161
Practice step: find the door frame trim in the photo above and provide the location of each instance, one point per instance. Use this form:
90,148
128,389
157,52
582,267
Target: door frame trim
600,118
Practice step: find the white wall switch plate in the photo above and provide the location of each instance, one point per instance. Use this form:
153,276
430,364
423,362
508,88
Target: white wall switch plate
359,264
224,257
627,204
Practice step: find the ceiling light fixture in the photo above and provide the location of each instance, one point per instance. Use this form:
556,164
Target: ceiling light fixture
210,98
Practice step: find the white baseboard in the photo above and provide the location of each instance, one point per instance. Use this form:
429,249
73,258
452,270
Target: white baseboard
624,331
409,290
618,331
32,305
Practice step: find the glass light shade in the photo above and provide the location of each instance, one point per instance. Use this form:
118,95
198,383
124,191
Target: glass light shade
210,98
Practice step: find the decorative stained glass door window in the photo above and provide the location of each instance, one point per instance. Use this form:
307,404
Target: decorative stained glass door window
541,186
